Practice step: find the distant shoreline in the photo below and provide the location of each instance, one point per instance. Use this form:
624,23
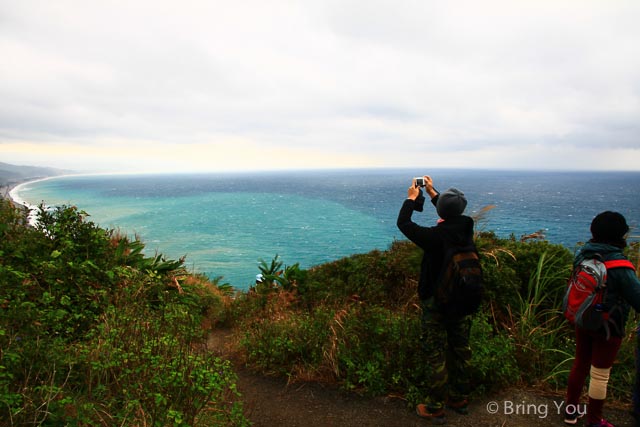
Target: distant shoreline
5,191
10,190
13,191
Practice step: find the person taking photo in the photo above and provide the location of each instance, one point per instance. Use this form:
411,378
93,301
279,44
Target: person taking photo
444,341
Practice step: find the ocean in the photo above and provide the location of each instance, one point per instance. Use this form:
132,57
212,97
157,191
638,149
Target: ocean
226,223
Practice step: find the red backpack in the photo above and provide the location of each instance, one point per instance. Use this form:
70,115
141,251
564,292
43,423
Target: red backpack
583,303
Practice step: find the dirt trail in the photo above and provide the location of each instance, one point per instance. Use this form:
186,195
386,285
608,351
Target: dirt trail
271,402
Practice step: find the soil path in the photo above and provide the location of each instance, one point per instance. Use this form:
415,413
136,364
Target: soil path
271,402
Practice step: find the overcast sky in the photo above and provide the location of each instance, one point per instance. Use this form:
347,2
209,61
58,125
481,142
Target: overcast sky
196,85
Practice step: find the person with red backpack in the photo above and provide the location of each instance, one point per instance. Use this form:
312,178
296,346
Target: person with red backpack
597,350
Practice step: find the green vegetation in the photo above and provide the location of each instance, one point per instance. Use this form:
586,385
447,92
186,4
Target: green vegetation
356,321
94,332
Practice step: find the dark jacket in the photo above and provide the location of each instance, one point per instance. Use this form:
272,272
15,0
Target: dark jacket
458,230
623,286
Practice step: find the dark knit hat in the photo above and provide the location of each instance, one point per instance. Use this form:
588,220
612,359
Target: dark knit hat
451,203
609,227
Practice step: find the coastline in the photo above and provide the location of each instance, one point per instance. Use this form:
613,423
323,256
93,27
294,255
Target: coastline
14,195
11,190
7,189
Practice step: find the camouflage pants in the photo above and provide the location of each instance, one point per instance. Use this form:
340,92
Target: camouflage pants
446,350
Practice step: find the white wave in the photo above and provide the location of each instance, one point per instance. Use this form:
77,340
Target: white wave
14,194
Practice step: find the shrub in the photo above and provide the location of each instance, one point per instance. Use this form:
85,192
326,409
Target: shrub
378,277
368,302
493,361
144,367
375,348
93,332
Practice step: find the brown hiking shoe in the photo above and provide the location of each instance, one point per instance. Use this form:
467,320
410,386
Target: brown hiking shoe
435,417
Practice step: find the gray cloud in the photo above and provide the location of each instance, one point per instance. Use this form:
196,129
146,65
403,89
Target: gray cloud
375,77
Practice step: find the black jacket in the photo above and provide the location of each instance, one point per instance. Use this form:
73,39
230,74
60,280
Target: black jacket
458,230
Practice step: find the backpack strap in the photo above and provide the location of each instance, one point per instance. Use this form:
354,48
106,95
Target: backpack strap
619,263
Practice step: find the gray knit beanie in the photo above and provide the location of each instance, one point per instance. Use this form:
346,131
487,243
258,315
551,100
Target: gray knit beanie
451,203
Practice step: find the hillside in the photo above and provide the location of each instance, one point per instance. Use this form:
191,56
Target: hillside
13,174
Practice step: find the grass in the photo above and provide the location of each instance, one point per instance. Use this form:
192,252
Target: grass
356,322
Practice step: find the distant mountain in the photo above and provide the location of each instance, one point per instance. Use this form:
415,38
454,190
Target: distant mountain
13,174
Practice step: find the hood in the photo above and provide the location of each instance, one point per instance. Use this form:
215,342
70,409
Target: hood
591,249
458,228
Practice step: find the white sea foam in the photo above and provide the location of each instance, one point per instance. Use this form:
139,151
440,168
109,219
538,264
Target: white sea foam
15,196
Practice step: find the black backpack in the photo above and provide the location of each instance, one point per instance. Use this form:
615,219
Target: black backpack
460,287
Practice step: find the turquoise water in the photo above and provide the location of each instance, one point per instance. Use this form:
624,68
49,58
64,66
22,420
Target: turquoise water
227,234
226,223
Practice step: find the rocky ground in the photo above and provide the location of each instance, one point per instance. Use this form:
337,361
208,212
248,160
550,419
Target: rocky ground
271,402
